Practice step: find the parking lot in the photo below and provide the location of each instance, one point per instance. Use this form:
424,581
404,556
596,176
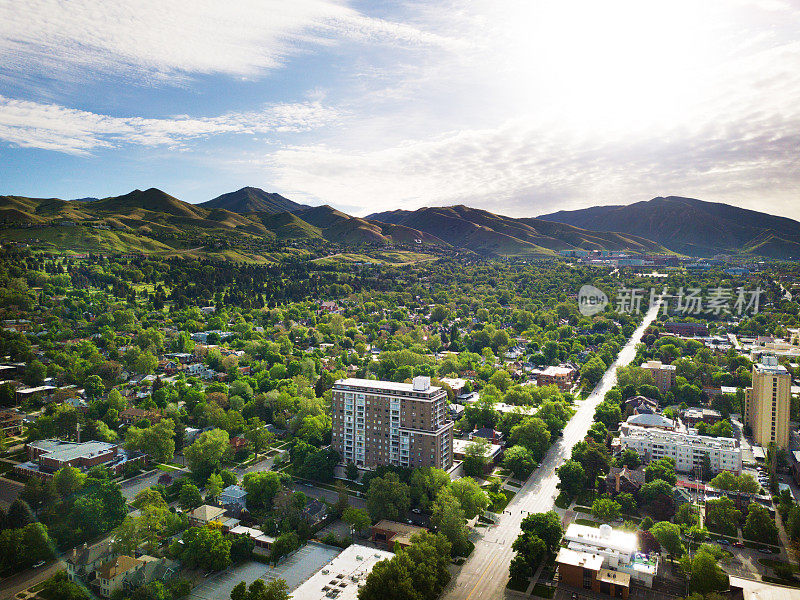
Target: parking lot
294,570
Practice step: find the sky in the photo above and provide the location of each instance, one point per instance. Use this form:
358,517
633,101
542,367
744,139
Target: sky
518,107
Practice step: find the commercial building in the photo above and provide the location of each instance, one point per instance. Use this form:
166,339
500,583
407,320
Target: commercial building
766,404
45,457
386,423
388,533
663,375
343,576
688,451
605,560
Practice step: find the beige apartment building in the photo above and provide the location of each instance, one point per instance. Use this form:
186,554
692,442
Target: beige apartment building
663,375
766,404
386,423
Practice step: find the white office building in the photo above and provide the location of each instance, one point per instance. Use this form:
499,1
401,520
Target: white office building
686,450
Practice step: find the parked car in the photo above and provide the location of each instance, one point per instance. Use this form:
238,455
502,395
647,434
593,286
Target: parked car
738,544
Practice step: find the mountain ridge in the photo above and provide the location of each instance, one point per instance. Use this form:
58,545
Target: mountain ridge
692,226
251,200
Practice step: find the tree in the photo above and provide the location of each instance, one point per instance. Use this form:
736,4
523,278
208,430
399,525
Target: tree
663,469
519,460
546,526
471,497
275,589
261,488
532,433
705,575
35,373
94,387
68,481
606,509
242,548
258,435
657,497
190,497
357,518
214,486
629,458
572,478
425,484
418,572
205,455
722,516
158,440
59,587
285,544
476,456
592,371
448,518
609,414
594,458
352,472
759,525
387,498
669,536
206,547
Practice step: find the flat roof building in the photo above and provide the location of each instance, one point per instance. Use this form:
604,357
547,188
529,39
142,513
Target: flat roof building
686,450
767,403
343,576
388,423
663,375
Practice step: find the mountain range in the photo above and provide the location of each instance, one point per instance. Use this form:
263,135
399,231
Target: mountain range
694,227
154,221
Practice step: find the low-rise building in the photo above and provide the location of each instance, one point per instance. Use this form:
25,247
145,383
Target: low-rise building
388,533
45,457
561,376
233,495
206,514
11,421
618,551
343,576
688,451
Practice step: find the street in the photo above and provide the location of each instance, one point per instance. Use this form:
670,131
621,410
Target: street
485,573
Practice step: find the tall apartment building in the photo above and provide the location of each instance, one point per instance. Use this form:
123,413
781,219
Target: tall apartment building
385,423
766,404
663,375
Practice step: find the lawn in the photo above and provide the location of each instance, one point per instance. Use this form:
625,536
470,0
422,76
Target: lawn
517,586
543,591
587,522
499,505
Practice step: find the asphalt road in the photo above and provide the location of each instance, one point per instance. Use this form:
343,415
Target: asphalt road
10,586
485,573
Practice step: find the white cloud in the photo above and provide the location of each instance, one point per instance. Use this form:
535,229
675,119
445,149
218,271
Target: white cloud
54,127
151,39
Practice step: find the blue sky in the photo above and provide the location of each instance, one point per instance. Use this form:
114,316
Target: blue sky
518,107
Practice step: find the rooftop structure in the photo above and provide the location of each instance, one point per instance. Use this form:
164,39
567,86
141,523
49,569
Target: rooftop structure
342,577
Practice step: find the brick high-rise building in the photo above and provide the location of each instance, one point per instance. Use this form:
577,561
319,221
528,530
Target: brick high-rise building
766,404
663,375
385,423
